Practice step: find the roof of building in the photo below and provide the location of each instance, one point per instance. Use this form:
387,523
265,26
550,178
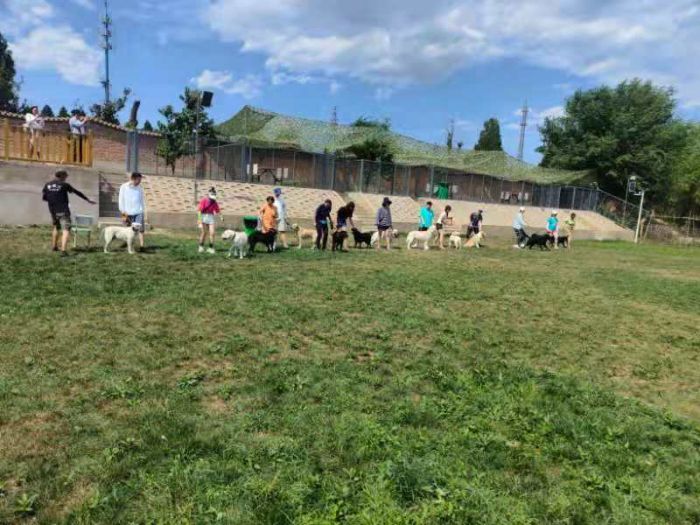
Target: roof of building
266,128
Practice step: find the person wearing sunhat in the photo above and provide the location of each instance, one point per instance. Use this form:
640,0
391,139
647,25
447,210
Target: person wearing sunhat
519,228
207,210
384,223
281,217
553,228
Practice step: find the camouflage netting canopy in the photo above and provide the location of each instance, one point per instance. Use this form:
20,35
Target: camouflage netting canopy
267,129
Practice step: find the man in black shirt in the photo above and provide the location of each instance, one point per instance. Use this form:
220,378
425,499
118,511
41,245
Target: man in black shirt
55,193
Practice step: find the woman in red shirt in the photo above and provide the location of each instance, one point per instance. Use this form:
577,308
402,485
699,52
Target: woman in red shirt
208,209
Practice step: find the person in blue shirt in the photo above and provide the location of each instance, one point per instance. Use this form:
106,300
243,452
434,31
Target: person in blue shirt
323,223
426,217
553,227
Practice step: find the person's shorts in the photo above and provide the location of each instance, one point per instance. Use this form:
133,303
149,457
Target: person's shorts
382,229
207,218
551,233
282,226
61,220
132,220
423,229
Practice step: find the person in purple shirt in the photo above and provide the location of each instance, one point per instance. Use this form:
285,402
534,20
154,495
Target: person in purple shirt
384,223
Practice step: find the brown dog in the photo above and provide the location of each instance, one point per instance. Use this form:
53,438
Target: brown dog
303,233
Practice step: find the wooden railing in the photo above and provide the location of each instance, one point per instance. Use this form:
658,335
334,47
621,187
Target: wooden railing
20,143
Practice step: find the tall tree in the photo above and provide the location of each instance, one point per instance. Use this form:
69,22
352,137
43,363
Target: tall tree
490,137
178,130
8,85
63,112
110,112
147,126
615,133
46,111
450,135
684,195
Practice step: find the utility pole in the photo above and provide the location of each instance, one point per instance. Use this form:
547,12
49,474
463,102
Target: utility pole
334,116
638,231
107,46
523,128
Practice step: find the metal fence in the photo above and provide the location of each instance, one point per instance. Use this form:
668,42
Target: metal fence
288,167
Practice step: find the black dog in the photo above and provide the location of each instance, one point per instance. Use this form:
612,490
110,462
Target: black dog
361,238
338,238
268,239
563,241
538,240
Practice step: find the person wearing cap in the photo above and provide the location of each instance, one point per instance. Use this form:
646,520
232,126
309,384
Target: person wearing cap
132,204
281,207
384,223
553,228
519,228
323,222
476,221
208,209
425,219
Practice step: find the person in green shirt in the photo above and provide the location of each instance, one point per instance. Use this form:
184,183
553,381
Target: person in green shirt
570,226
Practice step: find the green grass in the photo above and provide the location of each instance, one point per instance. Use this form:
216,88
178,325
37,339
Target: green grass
489,387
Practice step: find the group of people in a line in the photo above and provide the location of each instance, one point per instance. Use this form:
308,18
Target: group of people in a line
35,123
554,228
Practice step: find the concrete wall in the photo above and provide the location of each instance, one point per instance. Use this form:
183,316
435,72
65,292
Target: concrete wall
20,192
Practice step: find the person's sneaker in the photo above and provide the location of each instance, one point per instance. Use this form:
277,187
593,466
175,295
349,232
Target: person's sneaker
211,250
54,249
200,249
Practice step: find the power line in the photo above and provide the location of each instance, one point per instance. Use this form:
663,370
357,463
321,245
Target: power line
107,46
523,128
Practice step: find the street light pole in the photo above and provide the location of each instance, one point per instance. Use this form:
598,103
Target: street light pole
639,219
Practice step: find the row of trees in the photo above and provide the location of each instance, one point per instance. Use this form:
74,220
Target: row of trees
630,129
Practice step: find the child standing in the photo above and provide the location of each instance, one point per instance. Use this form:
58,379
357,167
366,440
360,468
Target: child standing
208,209
553,228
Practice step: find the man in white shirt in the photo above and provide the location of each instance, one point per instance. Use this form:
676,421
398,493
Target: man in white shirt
78,130
34,123
519,228
132,204
281,217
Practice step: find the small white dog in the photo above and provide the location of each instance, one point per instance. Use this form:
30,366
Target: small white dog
455,241
425,237
475,241
239,243
121,233
375,237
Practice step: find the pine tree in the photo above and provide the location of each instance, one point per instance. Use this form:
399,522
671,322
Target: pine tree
490,137
46,111
8,85
63,112
147,126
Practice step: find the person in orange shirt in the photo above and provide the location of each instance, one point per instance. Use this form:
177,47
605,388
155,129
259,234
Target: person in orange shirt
268,216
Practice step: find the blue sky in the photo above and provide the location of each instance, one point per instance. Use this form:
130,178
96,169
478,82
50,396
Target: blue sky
419,63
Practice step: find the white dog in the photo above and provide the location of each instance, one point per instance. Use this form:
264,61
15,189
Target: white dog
475,241
375,237
455,241
425,237
121,233
239,243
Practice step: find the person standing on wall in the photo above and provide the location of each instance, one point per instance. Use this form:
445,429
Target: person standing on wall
208,209
384,223
78,130
34,123
132,205
323,222
425,219
55,194
281,206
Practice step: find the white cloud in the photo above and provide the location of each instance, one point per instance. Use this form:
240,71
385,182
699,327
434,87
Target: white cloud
87,4
249,86
61,49
393,42
17,16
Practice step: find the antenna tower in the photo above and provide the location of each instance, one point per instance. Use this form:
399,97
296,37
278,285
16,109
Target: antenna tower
334,116
523,127
107,46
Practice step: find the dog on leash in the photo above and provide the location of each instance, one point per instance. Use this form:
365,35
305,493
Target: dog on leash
456,241
304,233
121,233
239,243
563,241
537,239
375,237
338,238
361,238
475,240
268,239
426,237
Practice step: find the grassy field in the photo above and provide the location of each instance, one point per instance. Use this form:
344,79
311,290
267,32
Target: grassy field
489,387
